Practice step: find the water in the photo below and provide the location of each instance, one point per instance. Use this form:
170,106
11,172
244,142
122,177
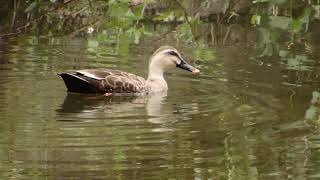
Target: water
239,119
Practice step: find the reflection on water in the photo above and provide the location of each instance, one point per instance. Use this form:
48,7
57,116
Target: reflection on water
84,103
237,120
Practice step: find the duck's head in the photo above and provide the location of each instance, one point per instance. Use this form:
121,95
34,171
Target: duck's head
167,57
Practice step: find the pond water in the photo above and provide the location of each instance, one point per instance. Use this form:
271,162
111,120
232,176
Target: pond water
238,119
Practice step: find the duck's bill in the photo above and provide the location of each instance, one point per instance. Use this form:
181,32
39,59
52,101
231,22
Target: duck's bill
184,65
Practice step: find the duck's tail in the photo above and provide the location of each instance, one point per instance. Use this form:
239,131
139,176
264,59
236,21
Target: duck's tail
78,83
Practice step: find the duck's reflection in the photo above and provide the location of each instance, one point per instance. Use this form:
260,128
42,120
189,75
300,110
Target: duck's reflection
78,103
90,106
161,113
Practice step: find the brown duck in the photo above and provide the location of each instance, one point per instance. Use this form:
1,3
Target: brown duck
106,81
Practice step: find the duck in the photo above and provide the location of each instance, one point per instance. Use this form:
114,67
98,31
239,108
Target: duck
110,82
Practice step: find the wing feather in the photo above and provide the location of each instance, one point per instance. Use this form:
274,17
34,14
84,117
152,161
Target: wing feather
115,81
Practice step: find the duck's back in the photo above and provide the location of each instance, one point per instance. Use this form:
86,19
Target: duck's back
103,81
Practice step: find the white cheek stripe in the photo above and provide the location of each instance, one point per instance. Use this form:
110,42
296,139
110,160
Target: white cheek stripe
168,50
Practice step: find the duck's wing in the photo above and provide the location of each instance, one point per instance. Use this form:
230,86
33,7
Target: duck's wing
103,81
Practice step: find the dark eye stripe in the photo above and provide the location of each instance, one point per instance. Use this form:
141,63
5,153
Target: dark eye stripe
173,53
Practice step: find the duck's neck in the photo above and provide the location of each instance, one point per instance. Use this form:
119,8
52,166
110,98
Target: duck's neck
156,81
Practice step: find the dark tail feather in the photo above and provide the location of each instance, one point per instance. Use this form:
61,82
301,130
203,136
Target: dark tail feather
76,83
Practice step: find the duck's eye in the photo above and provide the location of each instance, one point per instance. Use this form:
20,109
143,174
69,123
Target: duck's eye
173,53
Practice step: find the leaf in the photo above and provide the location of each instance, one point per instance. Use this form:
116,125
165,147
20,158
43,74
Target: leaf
297,25
203,52
185,32
166,17
255,19
31,7
138,10
130,15
92,43
118,10
302,21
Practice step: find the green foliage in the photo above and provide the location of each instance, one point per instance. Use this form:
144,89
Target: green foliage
302,21
203,52
166,17
280,22
185,32
288,18
112,20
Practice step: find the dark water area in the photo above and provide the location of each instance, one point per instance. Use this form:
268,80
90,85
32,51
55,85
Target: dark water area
239,119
